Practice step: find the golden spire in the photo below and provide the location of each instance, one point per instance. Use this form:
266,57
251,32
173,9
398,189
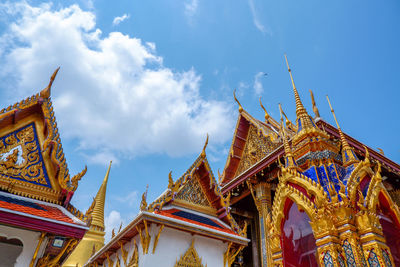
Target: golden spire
289,159
303,119
45,93
266,115
240,106
348,155
314,106
98,208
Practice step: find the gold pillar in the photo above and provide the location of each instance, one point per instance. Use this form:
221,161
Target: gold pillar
261,193
326,239
371,237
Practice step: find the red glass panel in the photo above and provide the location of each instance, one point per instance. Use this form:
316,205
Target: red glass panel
390,228
297,239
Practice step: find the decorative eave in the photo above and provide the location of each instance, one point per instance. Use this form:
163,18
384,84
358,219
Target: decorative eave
253,170
56,219
240,138
360,147
131,230
38,111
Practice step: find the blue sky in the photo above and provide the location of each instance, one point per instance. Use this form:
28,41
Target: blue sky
142,82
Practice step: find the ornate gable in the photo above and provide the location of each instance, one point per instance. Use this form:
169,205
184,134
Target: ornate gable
32,162
257,147
21,157
192,194
252,141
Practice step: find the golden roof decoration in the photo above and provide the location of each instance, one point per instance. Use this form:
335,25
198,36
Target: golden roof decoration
348,155
42,176
237,101
314,105
97,213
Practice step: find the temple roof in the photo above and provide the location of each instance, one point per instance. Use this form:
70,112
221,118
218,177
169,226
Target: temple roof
39,216
32,161
252,141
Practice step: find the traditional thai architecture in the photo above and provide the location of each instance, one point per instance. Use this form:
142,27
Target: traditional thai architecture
312,195
94,238
38,224
188,225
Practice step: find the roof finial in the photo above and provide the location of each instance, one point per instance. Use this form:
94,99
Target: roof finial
289,159
203,152
288,123
143,203
314,106
266,115
98,208
303,119
240,106
45,93
348,155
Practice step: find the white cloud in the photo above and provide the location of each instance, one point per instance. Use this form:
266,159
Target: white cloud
113,94
131,199
256,20
258,87
118,20
191,9
113,221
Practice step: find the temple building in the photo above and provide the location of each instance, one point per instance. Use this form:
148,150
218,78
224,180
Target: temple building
312,195
38,224
290,194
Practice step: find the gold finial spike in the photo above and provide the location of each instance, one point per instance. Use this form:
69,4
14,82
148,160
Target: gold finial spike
289,159
237,101
266,115
99,201
348,154
203,152
314,106
45,93
303,120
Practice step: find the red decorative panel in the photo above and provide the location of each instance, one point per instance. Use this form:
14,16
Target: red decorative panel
297,239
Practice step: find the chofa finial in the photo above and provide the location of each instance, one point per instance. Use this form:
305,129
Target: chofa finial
203,152
314,105
266,115
234,96
45,93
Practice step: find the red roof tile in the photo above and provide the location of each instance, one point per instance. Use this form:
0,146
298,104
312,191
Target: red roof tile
34,208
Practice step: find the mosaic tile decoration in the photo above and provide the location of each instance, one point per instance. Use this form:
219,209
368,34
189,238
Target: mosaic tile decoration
386,258
328,261
373,259
348,251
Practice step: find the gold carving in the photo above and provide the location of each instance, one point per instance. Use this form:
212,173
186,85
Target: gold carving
193,193
42,236
124,252
134,260
190,258
257,147
47,261
144,238
231,253
157,237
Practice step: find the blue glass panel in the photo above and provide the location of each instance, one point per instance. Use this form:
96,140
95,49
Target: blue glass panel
21,202
196,218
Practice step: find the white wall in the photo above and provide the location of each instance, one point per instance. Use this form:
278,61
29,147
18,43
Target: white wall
29,240
171,245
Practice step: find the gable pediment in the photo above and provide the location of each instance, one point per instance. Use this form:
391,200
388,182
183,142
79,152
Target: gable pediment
192,193
21,157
